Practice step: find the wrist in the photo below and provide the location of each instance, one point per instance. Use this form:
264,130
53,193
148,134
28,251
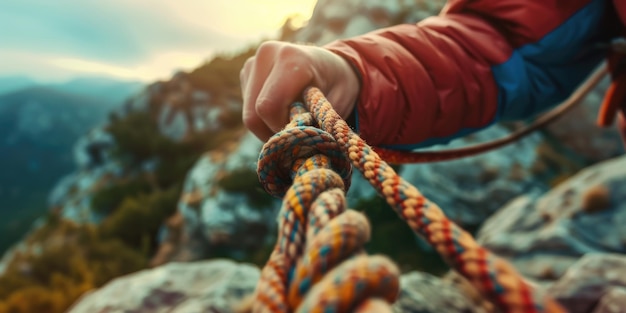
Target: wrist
345,85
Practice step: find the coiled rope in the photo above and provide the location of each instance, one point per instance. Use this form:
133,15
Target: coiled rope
301,164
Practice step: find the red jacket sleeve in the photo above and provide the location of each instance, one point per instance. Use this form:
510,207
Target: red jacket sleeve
434,79
620,8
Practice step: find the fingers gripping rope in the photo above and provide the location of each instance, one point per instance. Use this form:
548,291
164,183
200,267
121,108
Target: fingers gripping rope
494,277
316,232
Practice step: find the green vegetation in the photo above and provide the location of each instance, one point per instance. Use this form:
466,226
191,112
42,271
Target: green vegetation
220,76
110,197
137,137
70,260
64,260
392,237
17,214
137,220
245,180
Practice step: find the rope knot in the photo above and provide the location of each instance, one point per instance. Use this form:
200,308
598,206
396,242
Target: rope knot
278,162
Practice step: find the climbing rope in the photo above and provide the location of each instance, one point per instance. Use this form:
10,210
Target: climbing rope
307,167
318,263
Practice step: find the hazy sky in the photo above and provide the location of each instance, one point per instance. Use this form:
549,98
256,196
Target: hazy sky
138,39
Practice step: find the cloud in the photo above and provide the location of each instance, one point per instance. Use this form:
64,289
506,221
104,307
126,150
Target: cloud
131,34
102,30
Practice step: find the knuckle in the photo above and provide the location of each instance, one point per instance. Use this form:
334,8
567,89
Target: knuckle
251,121
264,107
291,52
268,48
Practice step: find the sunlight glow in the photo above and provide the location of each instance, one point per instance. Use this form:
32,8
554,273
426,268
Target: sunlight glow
243,18
206,27
161,66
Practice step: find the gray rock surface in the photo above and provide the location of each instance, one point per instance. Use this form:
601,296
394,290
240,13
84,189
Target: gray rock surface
221,285
471,189
337,19
212,216
210,286
596,283
613,301
93,149
424,293
585,214
71,196
182,109
579,135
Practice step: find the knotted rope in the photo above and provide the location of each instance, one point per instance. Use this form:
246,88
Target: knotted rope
316,232
298,154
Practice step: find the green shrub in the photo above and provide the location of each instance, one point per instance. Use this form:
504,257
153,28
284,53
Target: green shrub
246,181
391,236
137,138
71,259
137,220
107,199
221,74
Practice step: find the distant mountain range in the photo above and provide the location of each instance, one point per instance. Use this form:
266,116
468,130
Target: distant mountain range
39,125
13,83
104,88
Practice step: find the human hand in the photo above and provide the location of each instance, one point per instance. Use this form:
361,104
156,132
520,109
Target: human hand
278,74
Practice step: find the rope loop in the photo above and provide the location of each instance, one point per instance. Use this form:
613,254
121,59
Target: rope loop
279,155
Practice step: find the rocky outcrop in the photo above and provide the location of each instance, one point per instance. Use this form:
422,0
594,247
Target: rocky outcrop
95,167
182,109
219,213
578,135
186,110
424,293
337,19
469,190
544,236
221,286
210,286
596,283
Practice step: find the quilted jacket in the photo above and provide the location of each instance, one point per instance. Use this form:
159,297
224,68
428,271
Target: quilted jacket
476,63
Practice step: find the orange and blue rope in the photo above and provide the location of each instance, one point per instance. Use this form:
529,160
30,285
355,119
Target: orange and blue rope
301,163
316,231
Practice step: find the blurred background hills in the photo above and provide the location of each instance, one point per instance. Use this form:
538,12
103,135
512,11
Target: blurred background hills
39,125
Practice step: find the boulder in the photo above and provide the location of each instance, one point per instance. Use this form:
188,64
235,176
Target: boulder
209,286
596,283
544,236
425,293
